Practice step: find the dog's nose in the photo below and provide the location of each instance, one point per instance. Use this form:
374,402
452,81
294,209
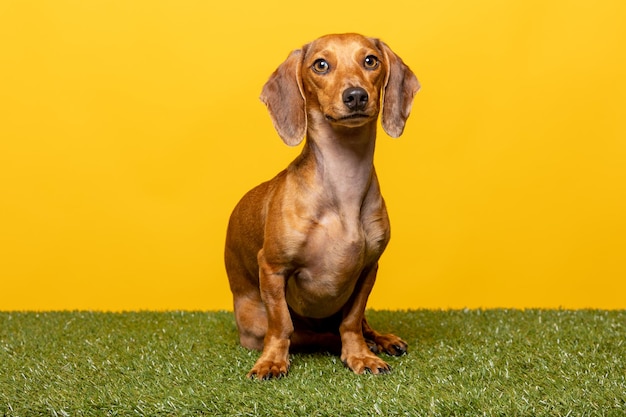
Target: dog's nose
355,98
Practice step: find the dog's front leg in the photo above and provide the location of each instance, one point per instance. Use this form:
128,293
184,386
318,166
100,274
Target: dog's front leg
355,353
274,360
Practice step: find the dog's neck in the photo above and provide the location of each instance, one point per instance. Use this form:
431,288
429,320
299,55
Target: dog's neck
343,160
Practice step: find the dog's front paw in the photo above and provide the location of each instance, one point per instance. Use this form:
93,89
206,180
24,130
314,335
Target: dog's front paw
268,369
360,364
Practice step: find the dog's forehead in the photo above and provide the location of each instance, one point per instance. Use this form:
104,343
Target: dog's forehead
342,44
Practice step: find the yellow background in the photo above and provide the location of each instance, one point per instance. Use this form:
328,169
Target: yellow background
129,130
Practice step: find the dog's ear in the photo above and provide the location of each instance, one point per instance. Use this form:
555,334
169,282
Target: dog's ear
283,96
400,87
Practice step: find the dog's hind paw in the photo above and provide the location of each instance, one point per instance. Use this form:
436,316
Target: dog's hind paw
390,344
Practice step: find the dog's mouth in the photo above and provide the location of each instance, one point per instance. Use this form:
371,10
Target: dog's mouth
353,116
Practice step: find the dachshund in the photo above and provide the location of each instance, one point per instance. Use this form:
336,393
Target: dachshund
302,249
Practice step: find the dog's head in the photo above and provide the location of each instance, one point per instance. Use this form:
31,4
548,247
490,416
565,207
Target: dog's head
341,79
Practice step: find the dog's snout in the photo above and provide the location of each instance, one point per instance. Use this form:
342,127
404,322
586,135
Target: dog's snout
355,98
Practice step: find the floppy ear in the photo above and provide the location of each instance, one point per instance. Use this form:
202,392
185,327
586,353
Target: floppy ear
401,85
282,94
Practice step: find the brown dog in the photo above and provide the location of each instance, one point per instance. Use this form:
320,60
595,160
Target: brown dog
302,249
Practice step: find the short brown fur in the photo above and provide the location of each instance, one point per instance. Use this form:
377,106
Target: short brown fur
302,249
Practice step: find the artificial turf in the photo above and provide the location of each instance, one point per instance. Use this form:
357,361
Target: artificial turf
460,363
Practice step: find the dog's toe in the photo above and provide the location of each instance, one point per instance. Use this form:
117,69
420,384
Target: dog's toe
398,349
367,364
392,345
373,347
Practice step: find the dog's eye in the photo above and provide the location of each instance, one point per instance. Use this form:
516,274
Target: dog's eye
321,66
371,62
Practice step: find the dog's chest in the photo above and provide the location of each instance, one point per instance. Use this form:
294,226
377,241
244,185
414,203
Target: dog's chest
335,254
343,242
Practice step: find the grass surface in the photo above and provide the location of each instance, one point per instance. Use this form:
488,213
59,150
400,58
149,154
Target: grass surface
460,363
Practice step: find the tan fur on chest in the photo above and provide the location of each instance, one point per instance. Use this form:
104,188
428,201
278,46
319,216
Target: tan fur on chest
334,254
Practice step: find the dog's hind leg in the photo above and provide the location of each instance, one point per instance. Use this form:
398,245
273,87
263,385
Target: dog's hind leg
250,313
251,319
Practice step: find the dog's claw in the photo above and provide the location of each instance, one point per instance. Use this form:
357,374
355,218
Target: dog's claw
398,350
267,376
271,375
379,370
264,372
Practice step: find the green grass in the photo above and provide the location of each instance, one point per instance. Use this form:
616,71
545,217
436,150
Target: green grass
460,363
